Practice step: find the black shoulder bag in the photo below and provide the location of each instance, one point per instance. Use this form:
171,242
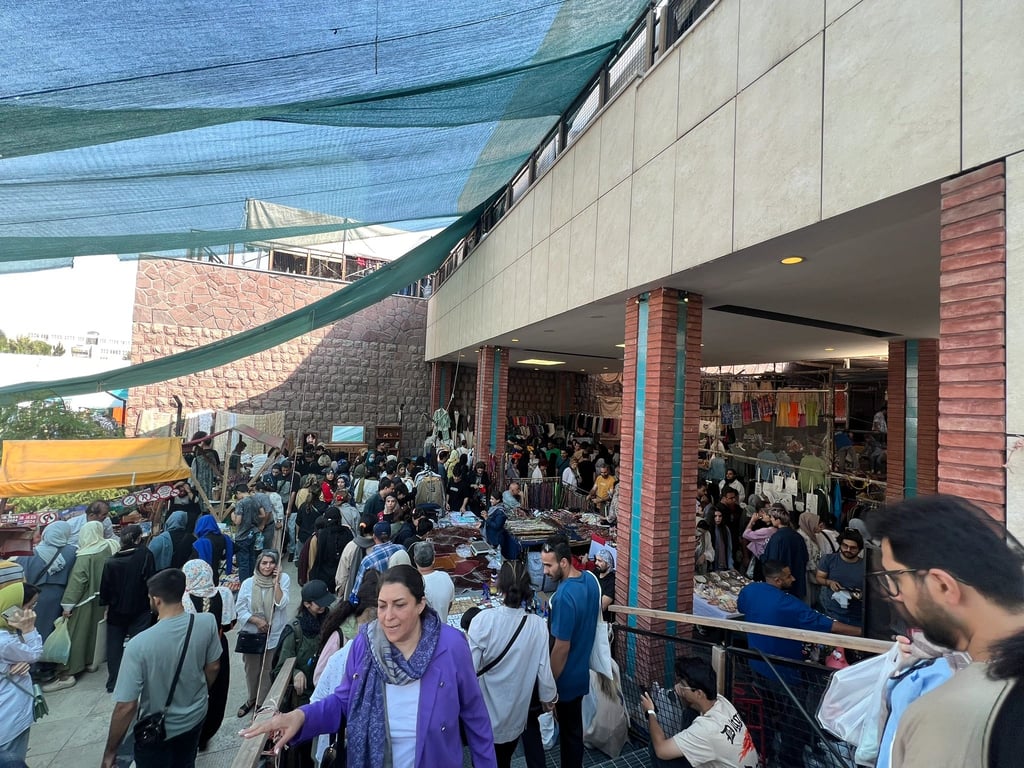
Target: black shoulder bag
491,665
150,729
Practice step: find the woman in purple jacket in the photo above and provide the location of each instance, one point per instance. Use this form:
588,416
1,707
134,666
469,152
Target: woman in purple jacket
405,662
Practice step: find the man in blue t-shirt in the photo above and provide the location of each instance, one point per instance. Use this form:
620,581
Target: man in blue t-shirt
575,607
767,602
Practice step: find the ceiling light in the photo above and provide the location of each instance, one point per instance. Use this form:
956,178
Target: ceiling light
515,339
830,349
583,370
461,355
538,361
621,346
605,368
792,260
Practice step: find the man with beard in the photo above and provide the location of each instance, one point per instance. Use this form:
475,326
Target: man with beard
573,623
604,565
843,571
948,568
732,481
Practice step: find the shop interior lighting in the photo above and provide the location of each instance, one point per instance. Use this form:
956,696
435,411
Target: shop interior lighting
789,260
621,346
538,361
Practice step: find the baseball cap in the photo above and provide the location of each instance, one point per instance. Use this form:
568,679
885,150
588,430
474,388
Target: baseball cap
316,591
382,530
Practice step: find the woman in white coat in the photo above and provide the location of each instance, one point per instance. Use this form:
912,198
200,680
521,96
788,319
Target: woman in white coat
262,608
510,651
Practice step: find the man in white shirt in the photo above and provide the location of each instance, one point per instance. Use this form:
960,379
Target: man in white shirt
437,585
717,737
98,511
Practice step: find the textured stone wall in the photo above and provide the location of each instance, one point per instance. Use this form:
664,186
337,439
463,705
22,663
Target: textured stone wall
357,371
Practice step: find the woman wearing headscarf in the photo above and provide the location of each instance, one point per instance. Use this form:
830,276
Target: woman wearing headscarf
172,548
20,646
48,568
202,595
213,546
81,602
408,692
810,524
262,607
326,546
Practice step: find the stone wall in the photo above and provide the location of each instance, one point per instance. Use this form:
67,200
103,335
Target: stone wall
357,371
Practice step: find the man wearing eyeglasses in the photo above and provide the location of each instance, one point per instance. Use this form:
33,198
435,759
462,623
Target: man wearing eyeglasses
716,738
842,573
953,572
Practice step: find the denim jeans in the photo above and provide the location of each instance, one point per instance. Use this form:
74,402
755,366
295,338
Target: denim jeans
291,537
245,557
15,750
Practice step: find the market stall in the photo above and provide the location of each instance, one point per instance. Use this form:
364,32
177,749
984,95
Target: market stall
47,467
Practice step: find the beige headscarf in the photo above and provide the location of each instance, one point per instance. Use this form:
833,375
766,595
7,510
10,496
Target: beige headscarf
91,541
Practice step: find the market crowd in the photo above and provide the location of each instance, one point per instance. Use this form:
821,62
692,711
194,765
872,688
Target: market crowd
369,643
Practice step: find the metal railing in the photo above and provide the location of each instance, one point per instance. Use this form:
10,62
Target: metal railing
776,697
650,37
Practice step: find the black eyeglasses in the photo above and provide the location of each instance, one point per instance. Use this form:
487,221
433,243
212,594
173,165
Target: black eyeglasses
887,581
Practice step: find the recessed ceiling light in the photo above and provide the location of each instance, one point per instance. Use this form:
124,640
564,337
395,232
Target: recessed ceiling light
606,367
830,349
702,343
515,339
461,355
792,260
621,346
538,361
584,370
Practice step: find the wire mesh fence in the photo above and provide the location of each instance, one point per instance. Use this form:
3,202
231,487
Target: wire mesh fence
777,698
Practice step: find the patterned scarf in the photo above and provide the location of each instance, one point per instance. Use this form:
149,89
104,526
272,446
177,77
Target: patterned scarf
368,745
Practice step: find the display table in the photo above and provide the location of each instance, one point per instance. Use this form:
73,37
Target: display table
715,594
702,607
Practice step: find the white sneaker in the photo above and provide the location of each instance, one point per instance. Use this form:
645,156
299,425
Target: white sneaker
59,685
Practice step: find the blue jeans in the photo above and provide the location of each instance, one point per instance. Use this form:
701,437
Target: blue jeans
245,557
176,752
292,550
15,750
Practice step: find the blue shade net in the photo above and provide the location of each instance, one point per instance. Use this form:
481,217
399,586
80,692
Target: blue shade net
145,127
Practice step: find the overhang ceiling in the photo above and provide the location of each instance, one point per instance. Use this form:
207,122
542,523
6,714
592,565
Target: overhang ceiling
875,268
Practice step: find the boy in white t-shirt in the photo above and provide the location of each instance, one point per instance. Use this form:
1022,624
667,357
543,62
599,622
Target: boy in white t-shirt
717,737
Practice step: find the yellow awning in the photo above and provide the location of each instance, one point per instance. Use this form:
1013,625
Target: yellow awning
45,467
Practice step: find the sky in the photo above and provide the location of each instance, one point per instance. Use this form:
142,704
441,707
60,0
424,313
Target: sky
97,294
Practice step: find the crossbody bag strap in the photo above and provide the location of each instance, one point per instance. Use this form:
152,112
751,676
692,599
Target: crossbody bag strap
181,661
600,610
487,668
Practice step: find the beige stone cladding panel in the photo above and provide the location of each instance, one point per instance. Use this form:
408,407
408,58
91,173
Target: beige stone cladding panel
707,65
704,191
769,31
778,149
993,73
892,100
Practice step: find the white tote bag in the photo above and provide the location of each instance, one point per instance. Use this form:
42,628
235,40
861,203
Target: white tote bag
601,653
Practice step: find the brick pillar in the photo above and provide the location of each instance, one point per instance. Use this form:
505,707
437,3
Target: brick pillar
491,400
913,418
658,469
972,339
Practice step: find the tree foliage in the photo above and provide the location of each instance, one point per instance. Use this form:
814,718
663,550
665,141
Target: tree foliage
52,420
23,345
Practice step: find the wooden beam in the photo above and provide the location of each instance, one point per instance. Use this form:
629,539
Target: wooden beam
803,635
248,755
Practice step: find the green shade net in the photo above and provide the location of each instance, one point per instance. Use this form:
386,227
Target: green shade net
145,127
377,285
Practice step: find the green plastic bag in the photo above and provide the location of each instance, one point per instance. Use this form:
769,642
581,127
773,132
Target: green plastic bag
57,647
